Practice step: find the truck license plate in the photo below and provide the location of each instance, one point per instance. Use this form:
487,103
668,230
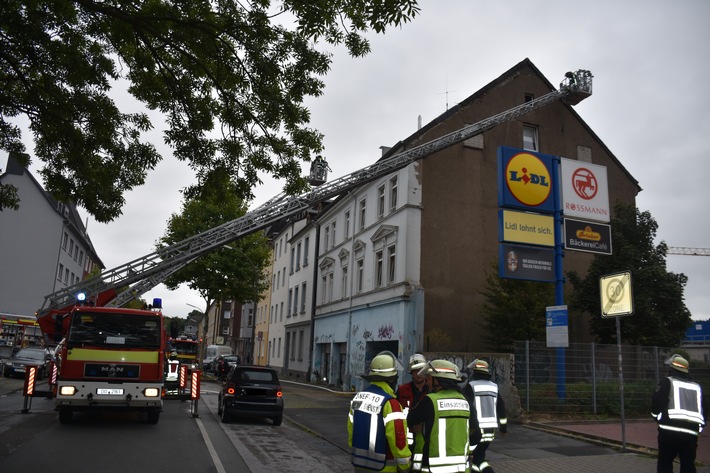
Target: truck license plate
110,391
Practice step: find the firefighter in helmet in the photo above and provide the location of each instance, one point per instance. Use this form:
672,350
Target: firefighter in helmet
490,410
445,414
385,447
409,394
677,405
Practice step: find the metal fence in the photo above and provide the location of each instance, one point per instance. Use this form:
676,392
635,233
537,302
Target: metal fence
583,379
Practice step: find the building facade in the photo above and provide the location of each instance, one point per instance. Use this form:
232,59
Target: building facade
44,246
402,261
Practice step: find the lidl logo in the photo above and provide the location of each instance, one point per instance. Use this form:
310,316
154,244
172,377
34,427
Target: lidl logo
528,179
525,180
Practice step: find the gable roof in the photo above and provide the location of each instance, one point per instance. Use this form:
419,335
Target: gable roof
68,212
507,75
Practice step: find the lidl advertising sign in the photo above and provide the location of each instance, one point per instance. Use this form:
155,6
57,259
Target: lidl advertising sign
525,180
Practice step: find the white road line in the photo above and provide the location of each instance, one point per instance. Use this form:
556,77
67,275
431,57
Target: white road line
213,453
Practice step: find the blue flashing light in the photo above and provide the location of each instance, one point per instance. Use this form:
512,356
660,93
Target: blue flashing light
157,303
81,297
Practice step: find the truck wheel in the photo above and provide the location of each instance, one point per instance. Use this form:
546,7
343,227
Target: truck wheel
278,420
153,416
65,415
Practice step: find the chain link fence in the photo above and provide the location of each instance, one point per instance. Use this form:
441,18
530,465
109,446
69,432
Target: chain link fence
583,379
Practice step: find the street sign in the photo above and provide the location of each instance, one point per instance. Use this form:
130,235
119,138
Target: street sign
587,236
556,326
616,294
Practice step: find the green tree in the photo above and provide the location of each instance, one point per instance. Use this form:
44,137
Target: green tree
229,78
660,316
514,309
236,271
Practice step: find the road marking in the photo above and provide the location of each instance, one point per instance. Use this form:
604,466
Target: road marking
213,453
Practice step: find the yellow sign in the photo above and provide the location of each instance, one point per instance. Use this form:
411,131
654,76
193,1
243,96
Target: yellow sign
528,179
528,228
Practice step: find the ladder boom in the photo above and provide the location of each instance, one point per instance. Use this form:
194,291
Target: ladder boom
150,270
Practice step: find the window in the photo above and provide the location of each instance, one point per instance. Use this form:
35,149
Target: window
324,287
293,259
303,298
330,285
298,256
393,193
326,237
66,276
391,263
530,138
60,272
81,257
360,274
64,241
344,282
306,244
295,300
71,247
300,345
347,224
363,208
290,299
332,240
381,201
281,312
379,263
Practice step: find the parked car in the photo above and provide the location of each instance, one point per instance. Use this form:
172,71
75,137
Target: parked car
223,363
16,366
211,353
251,391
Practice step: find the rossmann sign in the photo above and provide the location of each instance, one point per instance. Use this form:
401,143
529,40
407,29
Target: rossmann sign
585,190
525,180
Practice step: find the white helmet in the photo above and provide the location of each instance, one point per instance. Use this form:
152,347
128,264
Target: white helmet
416,362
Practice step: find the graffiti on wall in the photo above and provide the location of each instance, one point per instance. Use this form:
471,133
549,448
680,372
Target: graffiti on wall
385,332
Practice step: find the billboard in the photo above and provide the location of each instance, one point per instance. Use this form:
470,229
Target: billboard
526,262
587,236
525,180
585,190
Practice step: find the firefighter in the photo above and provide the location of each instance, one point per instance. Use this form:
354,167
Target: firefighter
677,407
377,425
444,414
409,395
490,410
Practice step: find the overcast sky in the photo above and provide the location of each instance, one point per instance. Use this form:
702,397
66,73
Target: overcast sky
650,107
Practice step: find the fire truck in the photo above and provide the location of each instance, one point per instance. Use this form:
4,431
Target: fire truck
142,274
109,358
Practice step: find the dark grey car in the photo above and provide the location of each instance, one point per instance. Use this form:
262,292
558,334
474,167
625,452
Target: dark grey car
251,391
17,365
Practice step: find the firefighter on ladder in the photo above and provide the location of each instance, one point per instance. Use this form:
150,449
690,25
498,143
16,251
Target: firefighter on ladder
490,408
677,405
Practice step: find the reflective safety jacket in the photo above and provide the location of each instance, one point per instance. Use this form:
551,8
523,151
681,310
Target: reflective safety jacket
446,416
677,405
377,430
489,408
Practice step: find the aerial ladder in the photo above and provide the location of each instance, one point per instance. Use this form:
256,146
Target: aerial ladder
682,250
142,274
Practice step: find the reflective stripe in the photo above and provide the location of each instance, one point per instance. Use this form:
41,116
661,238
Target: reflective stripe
678,429
392,416
118,356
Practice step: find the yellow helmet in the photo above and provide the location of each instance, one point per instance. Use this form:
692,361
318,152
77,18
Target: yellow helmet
678,363
479,365
441,369
384,365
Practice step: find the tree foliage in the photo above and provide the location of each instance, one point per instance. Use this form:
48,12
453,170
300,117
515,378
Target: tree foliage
229,78
236,271
661,317
514,310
